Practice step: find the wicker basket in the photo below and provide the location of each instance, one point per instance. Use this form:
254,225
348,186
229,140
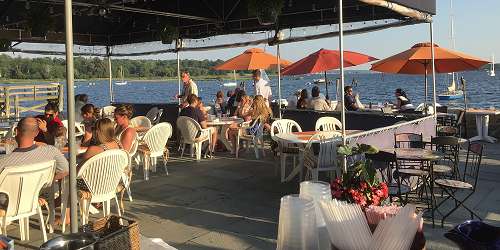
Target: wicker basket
112,235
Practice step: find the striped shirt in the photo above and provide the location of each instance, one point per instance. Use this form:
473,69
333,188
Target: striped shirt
35,154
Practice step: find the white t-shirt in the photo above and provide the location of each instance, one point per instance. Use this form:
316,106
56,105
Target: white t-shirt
262,88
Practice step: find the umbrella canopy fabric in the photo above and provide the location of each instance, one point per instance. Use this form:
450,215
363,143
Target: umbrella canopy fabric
417,60
324,60
251,59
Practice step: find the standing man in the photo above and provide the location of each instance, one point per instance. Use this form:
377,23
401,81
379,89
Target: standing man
188,89
262,87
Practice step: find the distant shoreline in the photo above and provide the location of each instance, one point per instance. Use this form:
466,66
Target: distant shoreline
131,79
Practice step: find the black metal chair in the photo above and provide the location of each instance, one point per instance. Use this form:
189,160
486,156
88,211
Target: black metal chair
449,148
386,164
408,140
468,184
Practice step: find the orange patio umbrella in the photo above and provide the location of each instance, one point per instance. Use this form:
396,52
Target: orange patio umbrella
251,59
324,60
417,60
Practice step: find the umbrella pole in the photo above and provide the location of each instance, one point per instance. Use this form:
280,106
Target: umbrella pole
326,87
178,75
426,88
68,14
433,65
279,78
110,80
341,51
234,75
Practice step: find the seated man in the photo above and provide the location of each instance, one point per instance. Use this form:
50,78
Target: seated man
193,111
350,99
50,125
28,152
318,103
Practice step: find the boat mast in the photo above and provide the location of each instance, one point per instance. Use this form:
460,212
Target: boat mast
452,39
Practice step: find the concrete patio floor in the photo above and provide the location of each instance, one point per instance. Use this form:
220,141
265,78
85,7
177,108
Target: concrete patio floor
227,203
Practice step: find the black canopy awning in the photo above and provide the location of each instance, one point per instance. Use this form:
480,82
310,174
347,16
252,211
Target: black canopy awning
108,23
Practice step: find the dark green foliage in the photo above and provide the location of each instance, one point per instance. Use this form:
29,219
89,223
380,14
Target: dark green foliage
86,68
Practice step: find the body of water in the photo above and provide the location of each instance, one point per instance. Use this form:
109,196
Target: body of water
482,90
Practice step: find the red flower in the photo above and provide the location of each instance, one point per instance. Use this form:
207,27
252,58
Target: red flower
375,200
363,185
379,193
338,194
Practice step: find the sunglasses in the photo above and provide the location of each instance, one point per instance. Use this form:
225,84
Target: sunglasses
49,115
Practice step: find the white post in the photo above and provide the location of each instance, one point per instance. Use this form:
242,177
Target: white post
279,77
341,51
178,72
68,14
110,74
433,65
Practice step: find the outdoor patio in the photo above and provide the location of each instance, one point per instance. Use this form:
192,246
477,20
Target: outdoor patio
228,203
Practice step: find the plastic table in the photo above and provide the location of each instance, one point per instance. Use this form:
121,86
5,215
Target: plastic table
482,120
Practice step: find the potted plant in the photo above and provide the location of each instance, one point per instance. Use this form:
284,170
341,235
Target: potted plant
359,184
168,34
39,22
4,45
267,11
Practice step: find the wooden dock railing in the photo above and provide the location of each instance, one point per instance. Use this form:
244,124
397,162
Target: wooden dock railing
17,99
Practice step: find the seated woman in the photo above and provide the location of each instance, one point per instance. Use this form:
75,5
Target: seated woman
220,103
402,101
260,111
244,108
125,133
88,120
303,103
103,139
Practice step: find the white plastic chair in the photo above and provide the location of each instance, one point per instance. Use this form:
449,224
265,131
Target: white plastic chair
154,114
12,131
141,121
101,174
22,184
285,126
326,160
79,128
327,123
108,111
193,134
127,174
251,138
154,146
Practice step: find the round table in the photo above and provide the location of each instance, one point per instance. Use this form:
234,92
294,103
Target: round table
224,123
306,136
413,154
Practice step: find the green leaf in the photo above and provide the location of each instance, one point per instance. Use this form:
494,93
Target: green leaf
344,150
367,149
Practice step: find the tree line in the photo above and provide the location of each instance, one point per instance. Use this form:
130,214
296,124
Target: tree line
47,68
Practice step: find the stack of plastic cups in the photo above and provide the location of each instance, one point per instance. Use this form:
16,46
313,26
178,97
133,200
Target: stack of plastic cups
318,190
297,224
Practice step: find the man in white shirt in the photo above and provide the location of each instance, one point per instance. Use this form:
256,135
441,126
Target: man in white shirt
262,87
318,103
190,87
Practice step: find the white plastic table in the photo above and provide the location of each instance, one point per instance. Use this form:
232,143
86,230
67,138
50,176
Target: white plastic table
224,123
482,120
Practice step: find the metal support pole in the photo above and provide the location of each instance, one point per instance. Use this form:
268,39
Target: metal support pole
179,75
279,77
433,65
110,74
68,14
341,51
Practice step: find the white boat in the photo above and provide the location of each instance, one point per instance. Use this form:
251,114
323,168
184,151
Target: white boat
121,82
319,81
229,84
492,66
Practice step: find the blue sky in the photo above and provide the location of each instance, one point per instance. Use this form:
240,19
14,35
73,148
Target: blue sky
476,31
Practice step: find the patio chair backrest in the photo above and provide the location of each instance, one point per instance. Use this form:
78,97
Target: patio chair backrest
327,123
408,140
12,131
79,128
284,126
154,114
140,121
383,162
448,145
190,129
328,146
102,173
156,138
108,111
22,185
447,131
473,163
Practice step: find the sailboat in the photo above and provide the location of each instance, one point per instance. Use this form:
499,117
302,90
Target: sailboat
121,82
453,93
492,66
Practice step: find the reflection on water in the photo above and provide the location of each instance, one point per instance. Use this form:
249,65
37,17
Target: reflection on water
482,90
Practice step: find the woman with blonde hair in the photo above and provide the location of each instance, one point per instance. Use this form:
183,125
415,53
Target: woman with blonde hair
103,135
125,133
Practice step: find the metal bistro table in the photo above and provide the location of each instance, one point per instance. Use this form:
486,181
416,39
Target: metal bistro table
301,139
222,124
419,155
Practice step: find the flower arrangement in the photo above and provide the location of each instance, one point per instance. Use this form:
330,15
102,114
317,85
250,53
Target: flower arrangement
359,184
267,11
